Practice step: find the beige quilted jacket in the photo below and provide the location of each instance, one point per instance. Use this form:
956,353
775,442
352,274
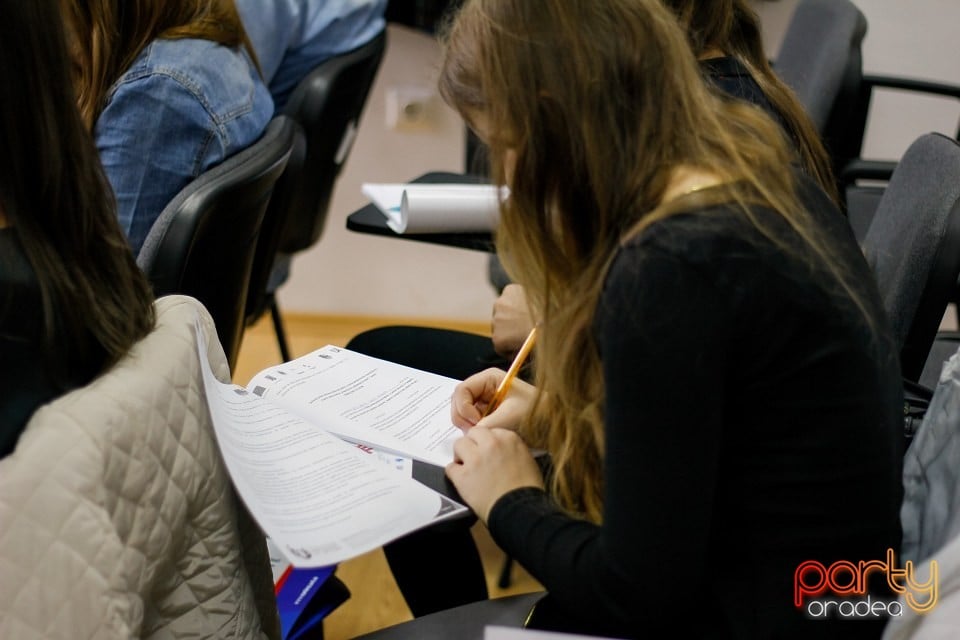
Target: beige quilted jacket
117,518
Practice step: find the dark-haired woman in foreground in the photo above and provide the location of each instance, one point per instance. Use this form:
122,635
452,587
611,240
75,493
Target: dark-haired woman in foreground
72,300
715,379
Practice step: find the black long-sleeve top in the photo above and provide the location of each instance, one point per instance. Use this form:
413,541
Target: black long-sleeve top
751,423
25,379
733,79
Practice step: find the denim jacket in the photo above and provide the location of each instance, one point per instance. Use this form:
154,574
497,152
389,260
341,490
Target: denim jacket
182,107
291,37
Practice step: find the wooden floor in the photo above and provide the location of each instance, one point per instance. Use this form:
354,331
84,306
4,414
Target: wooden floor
375,602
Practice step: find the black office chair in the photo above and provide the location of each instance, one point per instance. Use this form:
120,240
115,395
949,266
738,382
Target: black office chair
279,209
203,243
913,245
862,198
821,60
327,104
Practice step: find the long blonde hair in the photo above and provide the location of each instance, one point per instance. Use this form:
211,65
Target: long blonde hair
108,35
597,102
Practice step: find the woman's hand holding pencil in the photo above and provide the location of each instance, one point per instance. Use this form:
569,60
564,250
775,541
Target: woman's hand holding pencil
495,397
492,460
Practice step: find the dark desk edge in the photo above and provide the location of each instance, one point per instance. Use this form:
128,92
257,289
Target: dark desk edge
371,221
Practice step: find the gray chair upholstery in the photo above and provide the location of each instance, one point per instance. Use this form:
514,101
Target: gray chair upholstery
913,245
327,105
862,202
861,198
204,241
820,58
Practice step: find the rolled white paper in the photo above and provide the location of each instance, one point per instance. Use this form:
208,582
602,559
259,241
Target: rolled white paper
438,208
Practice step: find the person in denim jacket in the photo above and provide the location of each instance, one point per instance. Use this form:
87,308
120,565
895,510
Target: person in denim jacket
167,96
291,37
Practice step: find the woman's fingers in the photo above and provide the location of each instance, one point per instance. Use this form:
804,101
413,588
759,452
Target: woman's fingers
489,463
471,397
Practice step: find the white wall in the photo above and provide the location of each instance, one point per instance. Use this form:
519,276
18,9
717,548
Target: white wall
358,274
350,273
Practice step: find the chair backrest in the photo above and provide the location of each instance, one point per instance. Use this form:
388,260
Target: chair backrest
119,519
203,243
327,103
820,59
913,245
278,211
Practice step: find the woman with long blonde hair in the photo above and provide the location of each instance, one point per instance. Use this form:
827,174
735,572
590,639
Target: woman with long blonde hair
715,379
169,89
726,40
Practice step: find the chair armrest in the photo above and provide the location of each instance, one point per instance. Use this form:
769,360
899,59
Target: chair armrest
910,84
861,169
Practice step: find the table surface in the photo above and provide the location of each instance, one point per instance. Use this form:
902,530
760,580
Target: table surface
370,220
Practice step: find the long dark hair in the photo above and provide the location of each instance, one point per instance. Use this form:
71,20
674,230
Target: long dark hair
96,301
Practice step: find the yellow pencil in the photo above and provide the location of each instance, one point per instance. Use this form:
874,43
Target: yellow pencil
512,372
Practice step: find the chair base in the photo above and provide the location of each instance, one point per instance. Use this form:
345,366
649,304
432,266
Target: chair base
279,330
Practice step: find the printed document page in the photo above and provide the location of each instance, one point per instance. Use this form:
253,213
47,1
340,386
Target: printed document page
320,499
366,400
